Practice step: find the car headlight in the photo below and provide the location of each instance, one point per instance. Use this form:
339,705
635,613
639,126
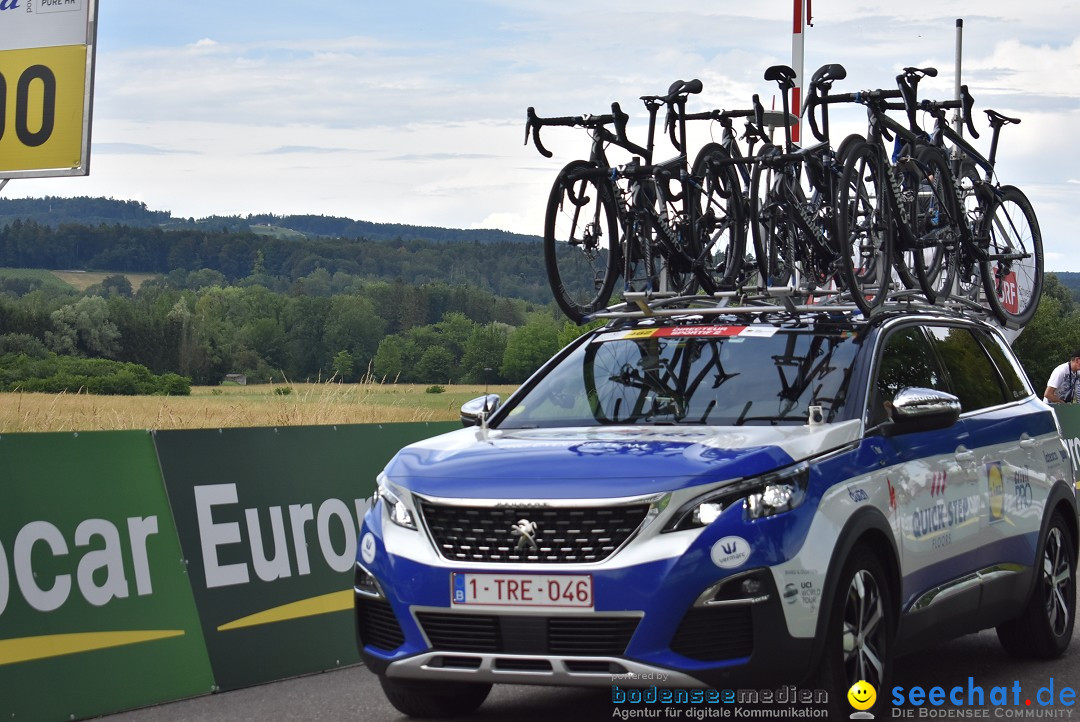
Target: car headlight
396,509
761,496
779,492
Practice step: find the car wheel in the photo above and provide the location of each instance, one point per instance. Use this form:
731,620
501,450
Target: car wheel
1044,628
435,700
858,633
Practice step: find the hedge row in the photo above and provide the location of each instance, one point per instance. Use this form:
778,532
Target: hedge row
51,373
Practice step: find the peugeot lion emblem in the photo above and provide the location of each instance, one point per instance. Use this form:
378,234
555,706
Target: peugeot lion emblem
525,531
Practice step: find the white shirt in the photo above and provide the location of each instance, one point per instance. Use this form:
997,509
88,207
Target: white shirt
1060,378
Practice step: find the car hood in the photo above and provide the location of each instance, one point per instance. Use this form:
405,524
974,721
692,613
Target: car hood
600,462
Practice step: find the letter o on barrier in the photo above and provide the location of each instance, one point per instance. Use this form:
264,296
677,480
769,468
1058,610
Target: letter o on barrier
331,508
5,580
43,600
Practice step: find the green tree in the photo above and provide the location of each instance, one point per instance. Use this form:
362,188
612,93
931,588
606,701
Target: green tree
483,355
343,366
455,328
529,346
266,337
436,365
394,359
353,326
571,331
22,343
1052,335
112,285
83,328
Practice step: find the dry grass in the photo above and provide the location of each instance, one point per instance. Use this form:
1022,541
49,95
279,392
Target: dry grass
82,280
234,406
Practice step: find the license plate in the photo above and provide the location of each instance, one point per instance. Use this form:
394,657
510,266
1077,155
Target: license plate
522,590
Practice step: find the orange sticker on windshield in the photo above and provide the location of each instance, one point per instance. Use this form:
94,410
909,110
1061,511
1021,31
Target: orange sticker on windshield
700,331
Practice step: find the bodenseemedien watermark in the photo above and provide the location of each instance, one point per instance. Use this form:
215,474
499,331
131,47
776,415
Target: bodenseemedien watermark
652,702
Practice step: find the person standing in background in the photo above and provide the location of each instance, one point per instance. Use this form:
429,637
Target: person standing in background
1062,386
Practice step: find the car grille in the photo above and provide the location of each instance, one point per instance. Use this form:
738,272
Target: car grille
376,624
590,636
716,633
564,535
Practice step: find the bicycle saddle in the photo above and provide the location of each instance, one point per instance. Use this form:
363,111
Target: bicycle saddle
928,72
826,75
679,87
997,118
783,75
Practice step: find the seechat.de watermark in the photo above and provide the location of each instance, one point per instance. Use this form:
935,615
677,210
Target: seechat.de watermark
975,701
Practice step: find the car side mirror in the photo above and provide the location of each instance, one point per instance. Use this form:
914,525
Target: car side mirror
918,409
473,412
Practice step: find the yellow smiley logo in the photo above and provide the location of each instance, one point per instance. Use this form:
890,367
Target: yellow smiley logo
862,695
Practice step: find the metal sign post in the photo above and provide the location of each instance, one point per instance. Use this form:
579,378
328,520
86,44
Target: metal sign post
958,120
46,87
801,20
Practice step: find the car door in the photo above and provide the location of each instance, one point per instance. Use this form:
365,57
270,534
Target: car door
1013,439
929,475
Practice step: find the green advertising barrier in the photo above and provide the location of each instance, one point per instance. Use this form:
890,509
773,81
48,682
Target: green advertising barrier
96,612
1069,417
268,521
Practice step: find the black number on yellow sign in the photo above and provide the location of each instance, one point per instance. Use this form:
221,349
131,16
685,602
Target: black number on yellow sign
30,138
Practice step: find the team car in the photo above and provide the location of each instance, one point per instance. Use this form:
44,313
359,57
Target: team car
724,501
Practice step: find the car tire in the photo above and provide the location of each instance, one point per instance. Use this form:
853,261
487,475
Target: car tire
859,634
1044,628
434,700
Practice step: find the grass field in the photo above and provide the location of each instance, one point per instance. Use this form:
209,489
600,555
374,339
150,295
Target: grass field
82,280
47,278
79,280
231,406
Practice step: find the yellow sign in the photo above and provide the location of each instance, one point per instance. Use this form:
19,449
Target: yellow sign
996,482
42,103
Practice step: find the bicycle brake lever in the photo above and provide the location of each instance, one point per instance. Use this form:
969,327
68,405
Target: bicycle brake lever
759,117
531,123
968,102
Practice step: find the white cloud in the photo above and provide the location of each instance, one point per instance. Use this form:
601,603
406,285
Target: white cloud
417,116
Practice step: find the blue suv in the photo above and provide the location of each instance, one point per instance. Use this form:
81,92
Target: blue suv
710,502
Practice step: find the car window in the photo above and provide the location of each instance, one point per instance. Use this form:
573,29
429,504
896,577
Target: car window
751,375
906,361
1014,377
974,379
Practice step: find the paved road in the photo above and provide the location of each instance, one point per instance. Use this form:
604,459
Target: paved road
354,694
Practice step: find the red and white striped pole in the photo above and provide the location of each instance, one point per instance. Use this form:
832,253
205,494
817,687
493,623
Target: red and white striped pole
802,19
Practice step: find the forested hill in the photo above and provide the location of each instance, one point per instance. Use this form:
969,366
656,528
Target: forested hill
220,256
52,211
1071,281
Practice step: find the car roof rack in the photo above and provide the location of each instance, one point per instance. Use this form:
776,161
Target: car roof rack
780,303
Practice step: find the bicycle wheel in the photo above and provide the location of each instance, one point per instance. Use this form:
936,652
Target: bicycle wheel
936,225
581,234
975,198
675,258
639,244
615,380
847,145
772,230
862,228
1013,272
716,220
903,175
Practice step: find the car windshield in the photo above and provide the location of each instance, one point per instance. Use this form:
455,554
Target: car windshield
715,375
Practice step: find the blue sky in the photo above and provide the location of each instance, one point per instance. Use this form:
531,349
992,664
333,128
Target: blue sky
413,112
